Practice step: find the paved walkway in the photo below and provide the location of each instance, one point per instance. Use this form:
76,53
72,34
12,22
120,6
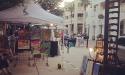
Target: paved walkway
71,64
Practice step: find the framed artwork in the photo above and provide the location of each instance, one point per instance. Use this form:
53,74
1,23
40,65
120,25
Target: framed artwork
100,44
45,34
45,47
23,44
35,33
23,34
35,44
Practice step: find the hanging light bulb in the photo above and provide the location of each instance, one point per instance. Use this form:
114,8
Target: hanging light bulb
51,25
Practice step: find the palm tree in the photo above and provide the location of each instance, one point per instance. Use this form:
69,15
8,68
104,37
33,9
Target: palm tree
51,5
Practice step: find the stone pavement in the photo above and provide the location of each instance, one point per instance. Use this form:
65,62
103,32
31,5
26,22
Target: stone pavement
71,63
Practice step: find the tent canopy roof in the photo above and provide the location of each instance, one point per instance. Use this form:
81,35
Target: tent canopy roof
31,13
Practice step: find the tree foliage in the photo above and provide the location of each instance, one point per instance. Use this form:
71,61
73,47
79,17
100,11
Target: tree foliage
50,5
5,4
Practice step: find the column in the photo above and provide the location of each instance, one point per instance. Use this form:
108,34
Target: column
75,16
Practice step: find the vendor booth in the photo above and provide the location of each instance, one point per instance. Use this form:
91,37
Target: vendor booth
16,24
30,12
26,14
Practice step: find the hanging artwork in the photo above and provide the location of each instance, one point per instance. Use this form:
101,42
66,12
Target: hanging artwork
45,34
23,34
57,34
35,32
35,44
23,44
45,47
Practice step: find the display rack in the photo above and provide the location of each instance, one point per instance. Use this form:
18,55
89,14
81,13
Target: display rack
110,62
107,48
112,15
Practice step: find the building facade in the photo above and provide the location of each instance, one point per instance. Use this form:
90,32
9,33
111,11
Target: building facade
96,17
90,19
74,17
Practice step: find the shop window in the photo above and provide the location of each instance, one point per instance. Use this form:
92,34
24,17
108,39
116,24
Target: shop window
72,15
94,8
72,27
67,26
80,27
80,14
80,4
66,17
102,4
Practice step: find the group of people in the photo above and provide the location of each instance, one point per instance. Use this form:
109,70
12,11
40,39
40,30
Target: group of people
75,40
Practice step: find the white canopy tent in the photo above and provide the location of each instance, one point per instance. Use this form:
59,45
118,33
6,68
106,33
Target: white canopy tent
29,13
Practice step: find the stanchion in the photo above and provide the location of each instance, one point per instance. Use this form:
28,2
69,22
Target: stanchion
68,46
47,64
87,42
